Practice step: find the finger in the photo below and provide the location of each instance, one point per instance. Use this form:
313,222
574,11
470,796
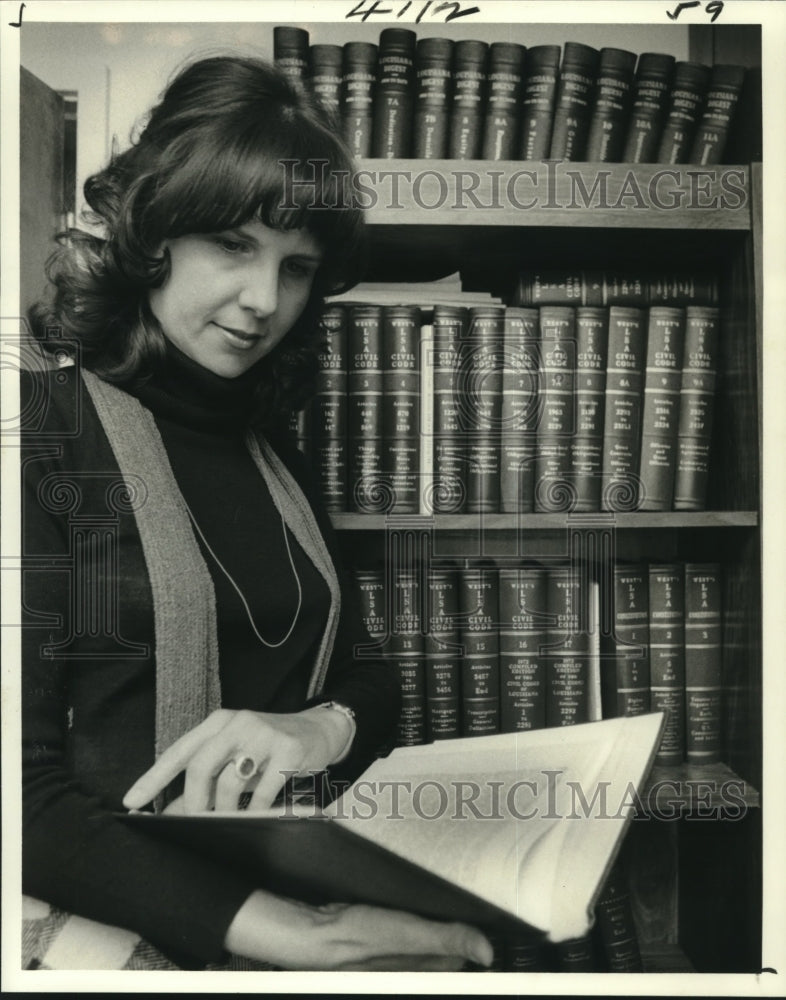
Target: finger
175,807
230,786
278,769
419,936
172,761
406,963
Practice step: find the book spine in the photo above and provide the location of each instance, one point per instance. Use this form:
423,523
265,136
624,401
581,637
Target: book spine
616,926
479,604
650,104
433,62
622,419
723,95
407,643
660,415
300,423
290,51
703,662
667,657
483,400
400,405
325,78
682,289
358,87
426,411
375,615
393,104
611,106
443,656
519,410
576,955
567,666
501,124
467,105
329,409
541,79
592,341
522,954
574,102
614,288
522,630
627,664
449,494
553,489
697,404
685,104
366,491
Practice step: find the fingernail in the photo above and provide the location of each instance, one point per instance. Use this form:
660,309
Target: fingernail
481,952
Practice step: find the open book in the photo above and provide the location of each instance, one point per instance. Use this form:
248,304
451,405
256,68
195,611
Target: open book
517,827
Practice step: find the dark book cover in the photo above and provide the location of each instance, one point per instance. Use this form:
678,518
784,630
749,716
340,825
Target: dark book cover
520,410
450,416
523,627
660,414
567,649
329,408
592,342
481,385
574,101
667,657
611,106
394,100
326,72
685,105
616,926
367,490
625,663
433,77
503,101
577,287
479,605
697,405
467,106
407,654
358,87
651,91
622,418
723,94
703,658
443,655
541,79
290,51
556,424
401,405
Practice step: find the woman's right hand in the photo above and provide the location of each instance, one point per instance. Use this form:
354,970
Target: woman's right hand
342,936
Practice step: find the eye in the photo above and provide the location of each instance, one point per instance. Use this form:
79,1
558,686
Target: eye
230,245
297,268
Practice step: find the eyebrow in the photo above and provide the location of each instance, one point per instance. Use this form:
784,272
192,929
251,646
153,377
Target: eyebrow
315,258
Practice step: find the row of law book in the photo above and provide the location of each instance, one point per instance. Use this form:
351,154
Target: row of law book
493,409
481,648
434,98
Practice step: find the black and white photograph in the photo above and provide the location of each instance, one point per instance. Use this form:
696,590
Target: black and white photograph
393,447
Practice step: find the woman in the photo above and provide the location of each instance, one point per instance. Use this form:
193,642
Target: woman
188,640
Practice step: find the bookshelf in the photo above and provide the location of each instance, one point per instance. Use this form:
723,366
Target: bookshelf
696,882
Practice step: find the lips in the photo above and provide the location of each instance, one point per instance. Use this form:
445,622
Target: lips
239,338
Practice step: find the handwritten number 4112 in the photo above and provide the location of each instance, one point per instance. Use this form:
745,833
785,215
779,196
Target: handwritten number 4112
450,8
713,8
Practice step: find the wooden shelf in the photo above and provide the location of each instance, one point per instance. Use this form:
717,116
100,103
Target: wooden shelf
665,958
554,194
538,522
700,790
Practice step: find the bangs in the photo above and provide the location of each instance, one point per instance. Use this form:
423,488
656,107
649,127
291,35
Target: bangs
288,173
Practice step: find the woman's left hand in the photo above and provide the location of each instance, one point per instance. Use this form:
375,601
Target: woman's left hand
281,747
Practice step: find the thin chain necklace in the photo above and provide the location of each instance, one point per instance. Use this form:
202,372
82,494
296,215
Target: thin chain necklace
227,574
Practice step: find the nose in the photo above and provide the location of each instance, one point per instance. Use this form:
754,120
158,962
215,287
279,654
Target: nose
259,289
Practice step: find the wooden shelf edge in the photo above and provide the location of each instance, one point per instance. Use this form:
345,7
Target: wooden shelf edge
539,522
554,193
665,958
703,791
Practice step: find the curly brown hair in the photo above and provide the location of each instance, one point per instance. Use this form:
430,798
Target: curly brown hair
232,139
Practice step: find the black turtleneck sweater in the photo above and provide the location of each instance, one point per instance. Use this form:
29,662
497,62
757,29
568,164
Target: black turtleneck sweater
89,701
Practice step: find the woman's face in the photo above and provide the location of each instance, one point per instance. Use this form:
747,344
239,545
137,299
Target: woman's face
230,297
